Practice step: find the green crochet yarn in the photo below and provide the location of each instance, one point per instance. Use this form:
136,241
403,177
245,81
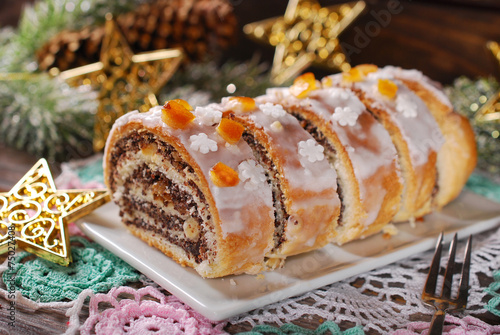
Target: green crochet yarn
484,186
93,267
493,305
325,328
91,172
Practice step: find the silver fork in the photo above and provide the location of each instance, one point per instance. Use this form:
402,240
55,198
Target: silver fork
445,302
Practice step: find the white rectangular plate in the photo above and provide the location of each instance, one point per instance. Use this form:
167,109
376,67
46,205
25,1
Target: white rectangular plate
218,299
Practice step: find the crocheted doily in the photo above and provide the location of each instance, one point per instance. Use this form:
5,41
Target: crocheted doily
93,267
384,299
143,311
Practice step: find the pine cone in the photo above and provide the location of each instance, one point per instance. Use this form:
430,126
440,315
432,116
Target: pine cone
197,26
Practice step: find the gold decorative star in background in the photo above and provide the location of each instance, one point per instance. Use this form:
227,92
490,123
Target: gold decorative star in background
307,34
125,81
34,215
490,111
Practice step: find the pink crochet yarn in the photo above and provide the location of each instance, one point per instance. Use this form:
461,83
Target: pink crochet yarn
469,325
134,312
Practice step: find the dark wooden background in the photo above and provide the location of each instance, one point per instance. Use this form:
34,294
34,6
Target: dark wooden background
443,38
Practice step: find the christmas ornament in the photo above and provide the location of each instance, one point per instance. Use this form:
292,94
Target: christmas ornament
198,27
34,214
479,101
490,112
307,34
125,81
494,47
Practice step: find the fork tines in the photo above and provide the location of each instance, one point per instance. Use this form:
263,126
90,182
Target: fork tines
429,292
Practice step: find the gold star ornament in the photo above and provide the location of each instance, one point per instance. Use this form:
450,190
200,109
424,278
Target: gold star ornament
34,215
307,34
490,111
124,81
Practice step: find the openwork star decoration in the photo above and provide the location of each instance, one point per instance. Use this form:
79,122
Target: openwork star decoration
34,215
307,34
125,81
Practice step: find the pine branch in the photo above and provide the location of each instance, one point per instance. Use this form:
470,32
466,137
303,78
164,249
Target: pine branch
46,117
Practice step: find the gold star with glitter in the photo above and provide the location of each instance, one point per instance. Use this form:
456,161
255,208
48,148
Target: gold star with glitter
124,81
34,215
490,111
307,34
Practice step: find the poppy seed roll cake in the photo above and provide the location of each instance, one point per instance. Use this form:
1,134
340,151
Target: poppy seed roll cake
238,186
178,189
304,184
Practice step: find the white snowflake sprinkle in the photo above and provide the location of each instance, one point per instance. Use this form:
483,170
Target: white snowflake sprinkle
406,104
208,115
345,116
272,110
311,150
202,143
251,174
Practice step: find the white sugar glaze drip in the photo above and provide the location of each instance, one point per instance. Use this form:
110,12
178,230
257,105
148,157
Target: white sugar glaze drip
229,200
421,133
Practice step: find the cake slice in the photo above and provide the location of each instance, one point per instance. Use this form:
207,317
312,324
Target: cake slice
303,182
413,129
178,188
458,156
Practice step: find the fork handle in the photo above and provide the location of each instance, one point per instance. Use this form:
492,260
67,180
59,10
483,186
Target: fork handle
437,323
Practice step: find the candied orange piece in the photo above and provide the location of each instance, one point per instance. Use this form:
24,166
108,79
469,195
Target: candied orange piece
243,104
230,130
353,75
184,104
303,85
327,82
176,114
387,87
358,73
223,176
364,69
